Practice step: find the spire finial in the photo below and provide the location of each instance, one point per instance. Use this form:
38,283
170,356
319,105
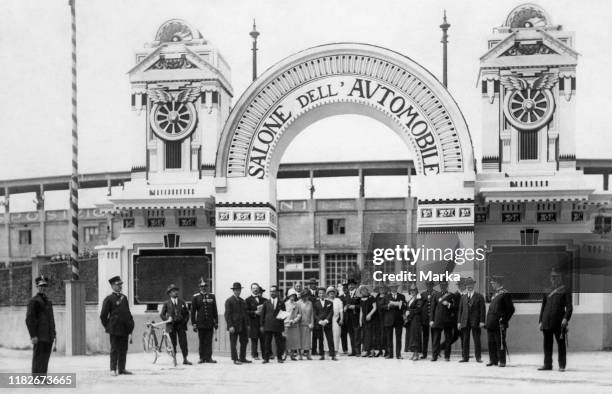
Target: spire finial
254,34
444,26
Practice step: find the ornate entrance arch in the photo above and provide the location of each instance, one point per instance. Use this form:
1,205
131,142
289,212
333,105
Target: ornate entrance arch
330,80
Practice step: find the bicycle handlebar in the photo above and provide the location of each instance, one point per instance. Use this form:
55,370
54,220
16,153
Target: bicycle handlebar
153,324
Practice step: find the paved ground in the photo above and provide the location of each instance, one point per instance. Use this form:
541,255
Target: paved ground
587,373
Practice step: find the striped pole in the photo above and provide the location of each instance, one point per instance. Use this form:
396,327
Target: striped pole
74,179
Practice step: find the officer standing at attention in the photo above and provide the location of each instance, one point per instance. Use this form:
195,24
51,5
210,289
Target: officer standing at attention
500,311
41,326
555,314
119,324
205,320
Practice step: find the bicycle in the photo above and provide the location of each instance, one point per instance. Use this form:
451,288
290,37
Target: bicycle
151,343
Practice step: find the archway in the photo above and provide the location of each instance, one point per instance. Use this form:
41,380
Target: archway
331,80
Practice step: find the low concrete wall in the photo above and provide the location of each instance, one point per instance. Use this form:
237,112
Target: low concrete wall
588,332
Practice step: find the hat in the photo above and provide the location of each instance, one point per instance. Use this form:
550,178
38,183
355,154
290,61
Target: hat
469,281
330,289
555,272
115,280
261,290
41,281
497,278
236,286
170,288
353,281
202,282
291,292
413,287
363,289
430,283
312,280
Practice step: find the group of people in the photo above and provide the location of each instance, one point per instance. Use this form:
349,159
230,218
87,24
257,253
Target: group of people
314,320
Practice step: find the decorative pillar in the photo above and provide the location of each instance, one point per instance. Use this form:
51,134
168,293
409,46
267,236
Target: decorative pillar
444,26
254,34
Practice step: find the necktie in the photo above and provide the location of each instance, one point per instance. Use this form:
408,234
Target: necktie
274,303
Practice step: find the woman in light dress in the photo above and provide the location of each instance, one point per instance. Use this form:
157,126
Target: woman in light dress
292,325
338,316
306,324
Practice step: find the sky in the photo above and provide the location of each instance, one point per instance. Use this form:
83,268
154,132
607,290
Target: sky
35,69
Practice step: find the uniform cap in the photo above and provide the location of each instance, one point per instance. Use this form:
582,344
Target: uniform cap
115,280
171,287
41,281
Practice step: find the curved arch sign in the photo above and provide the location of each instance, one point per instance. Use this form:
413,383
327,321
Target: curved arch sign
396,89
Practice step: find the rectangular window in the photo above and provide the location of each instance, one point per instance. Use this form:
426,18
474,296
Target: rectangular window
296,268
528,145
25,237
336,226
173,154
603,224
90,233
338,266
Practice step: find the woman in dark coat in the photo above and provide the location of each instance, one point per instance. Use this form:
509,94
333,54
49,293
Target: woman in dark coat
412,319
367,320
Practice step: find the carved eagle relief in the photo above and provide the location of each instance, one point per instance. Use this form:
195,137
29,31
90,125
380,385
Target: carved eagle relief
160,96
544,81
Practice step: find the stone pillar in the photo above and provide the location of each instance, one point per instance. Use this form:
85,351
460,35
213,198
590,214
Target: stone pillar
75,318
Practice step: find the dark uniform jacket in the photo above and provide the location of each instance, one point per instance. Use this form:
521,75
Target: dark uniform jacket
443,315
393,313
414,310
179,314
236,314
322,312
204,311
472,310
268,316
352,315
501,310
427,299
39,318
252,303
115,315
556,306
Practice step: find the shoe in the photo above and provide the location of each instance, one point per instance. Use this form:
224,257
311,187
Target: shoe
210,361
300,357
446,358
463,361
280,361
502,365
545,368
293,358
308,357
265,361
423,357
186,362
434,359
201,361
125,372
489,364
561,369
478,360
399,357
113,372
255,357
322,358
388,357
236,362
334,358
245,361
377,354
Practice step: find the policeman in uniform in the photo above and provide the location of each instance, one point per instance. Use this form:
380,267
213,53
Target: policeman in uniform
555,314
500,311
119,324
427,296
41,326
205,319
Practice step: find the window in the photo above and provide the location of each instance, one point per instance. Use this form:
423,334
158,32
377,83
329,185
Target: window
529,237
335,226
25,237
173,154
293,268
90,233
603,224
155,218
528,145
338,266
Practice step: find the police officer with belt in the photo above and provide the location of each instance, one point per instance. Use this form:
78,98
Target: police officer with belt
119,324
41,326
500,311
205,319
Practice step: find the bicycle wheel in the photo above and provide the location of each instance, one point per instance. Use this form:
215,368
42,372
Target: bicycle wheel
168,347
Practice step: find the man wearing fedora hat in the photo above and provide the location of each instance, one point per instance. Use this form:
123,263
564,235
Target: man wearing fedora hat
555,314
472,313
205,320
119,324
500,311
177,312
41,326
237,319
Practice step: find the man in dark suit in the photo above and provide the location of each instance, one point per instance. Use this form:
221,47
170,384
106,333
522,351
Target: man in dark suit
500,311
312,289
271,326
352,318
237,322
471,319
393,307
323,312
442,320
205,320
456,333
555,314
41,326
254,306
177,312
119,324
427,296
344,328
